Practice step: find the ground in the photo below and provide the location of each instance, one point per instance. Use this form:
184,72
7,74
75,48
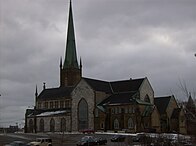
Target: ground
67,139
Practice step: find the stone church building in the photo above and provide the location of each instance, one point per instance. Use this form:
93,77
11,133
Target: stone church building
83,103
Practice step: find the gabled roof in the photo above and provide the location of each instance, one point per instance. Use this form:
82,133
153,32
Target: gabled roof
98,85
131,85
126,85
190,104
119,98
123,98
54,93
162,103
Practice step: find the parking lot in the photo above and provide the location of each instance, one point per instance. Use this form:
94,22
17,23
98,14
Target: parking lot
58,139
71,139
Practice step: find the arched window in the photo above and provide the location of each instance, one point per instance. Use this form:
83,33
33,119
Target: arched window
63,125
147,99
41,125
52,125
82,114
116,124
31,127
130,123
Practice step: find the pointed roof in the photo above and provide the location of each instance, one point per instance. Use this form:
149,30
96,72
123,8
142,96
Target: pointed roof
190,103
162,103
190,106
70,55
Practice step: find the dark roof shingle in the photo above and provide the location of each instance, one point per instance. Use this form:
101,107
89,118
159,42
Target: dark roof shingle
99,85
120,98
162,103
54,93
126,85
131,85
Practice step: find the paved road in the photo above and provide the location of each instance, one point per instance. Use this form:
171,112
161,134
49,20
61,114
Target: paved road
58,139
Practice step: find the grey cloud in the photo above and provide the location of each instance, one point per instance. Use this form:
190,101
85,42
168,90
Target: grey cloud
116,40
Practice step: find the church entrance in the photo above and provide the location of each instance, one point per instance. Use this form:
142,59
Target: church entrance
82,115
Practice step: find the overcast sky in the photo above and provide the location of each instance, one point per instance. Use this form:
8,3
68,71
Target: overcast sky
117,39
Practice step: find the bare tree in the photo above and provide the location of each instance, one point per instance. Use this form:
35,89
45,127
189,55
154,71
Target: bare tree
183,86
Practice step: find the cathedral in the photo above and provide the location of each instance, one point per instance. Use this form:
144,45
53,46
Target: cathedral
81,103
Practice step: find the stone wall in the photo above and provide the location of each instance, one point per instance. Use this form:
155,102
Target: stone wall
47,119
171,106
82,91
57,120
146,89
155,120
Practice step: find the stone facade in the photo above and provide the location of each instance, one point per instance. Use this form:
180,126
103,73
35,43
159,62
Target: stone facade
146,89
155,120
46,125
83,91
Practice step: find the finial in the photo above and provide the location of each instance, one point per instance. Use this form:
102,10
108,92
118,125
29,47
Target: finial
44,86
36,93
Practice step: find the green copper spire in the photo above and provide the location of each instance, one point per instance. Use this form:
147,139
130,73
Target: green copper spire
70,56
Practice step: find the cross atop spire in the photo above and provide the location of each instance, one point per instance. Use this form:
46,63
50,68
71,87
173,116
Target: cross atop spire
70,55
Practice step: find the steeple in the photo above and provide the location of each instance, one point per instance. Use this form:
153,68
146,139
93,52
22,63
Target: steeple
70,71
70,55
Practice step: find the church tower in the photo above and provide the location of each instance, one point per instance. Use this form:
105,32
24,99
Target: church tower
70,71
